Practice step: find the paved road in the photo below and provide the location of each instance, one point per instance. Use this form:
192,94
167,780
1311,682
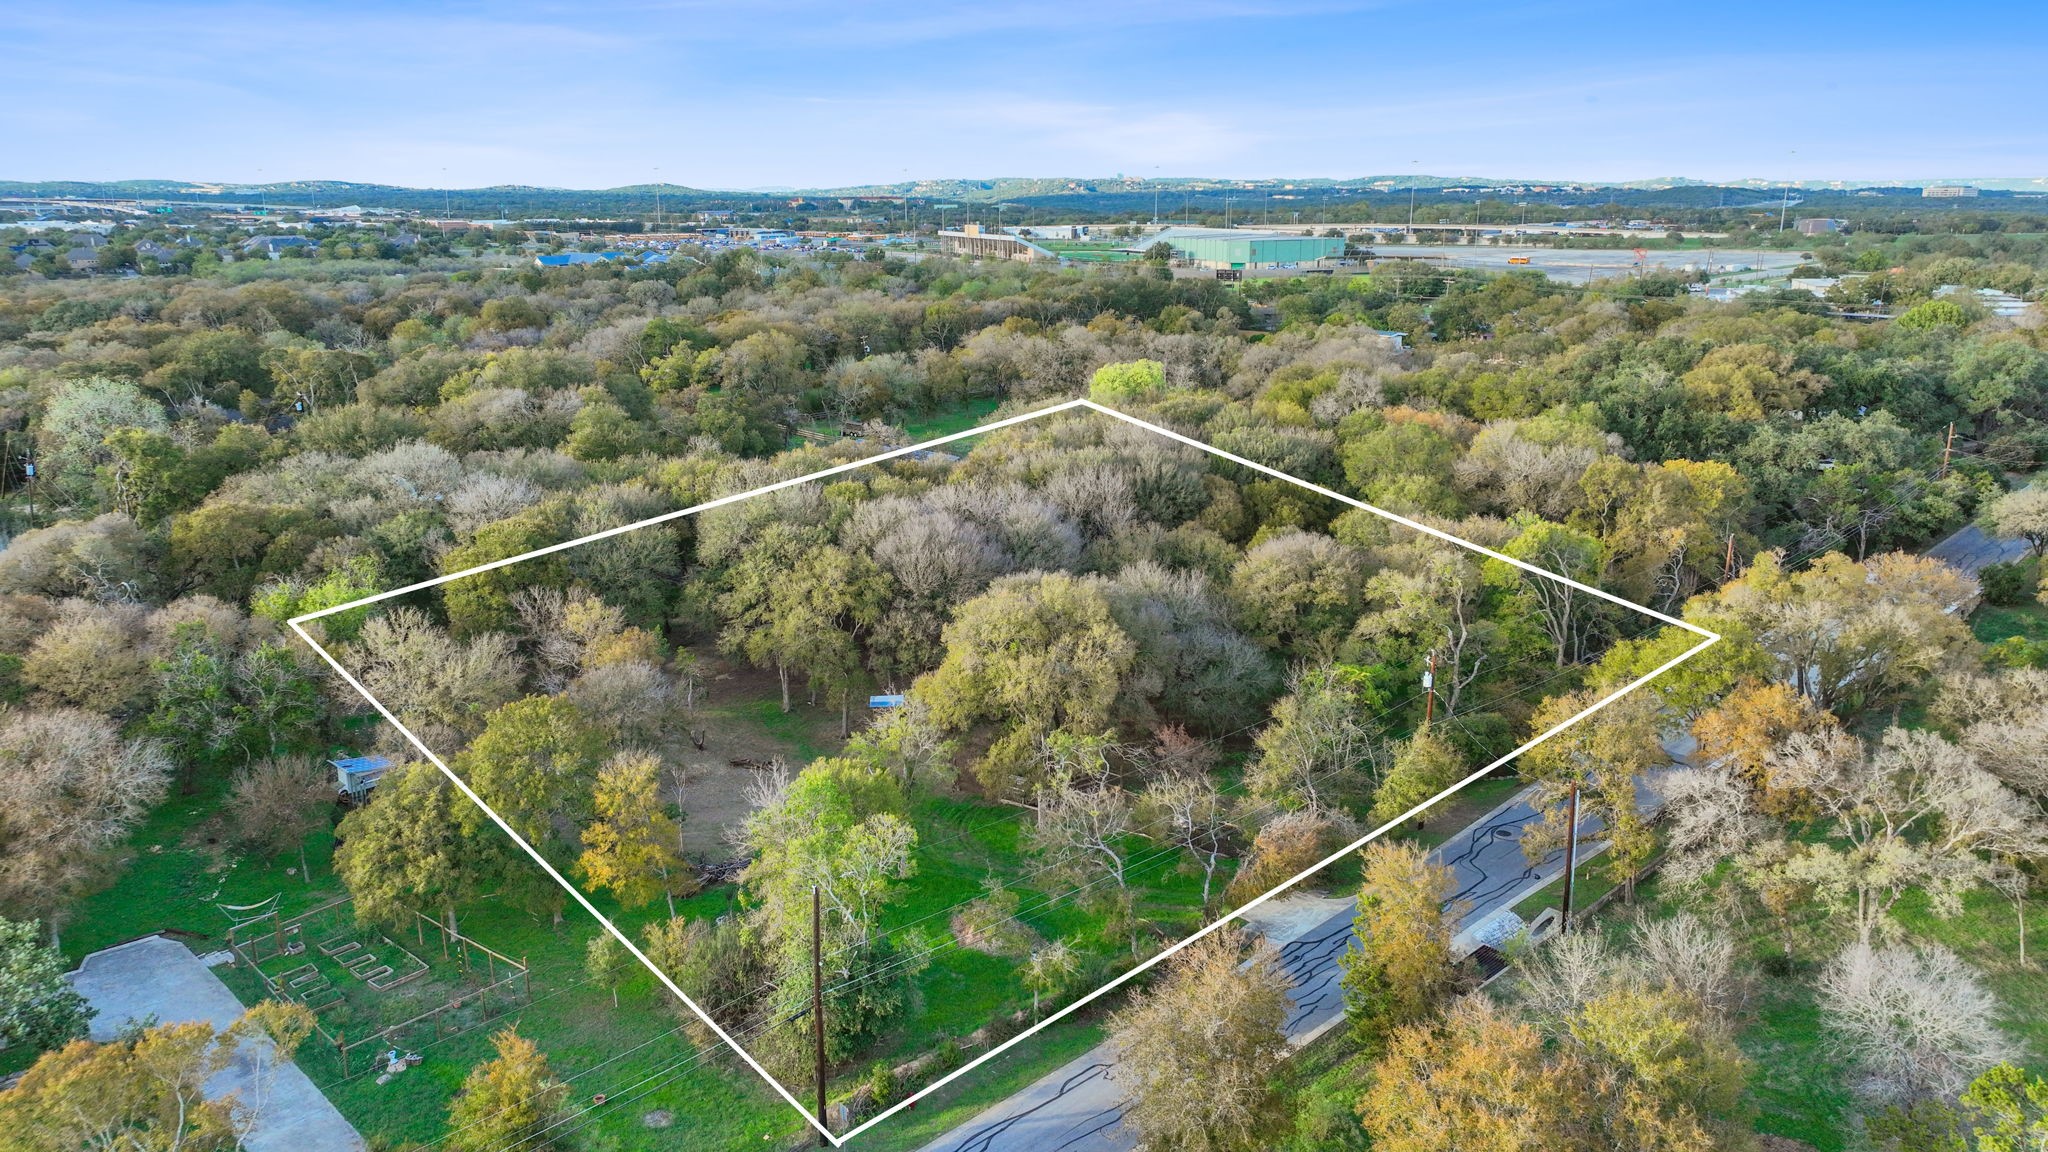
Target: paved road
1972,549
155,977
1076,1109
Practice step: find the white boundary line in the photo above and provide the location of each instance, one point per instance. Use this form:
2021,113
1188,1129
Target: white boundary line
297,623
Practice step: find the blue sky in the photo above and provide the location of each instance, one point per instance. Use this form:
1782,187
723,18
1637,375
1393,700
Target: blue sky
800,93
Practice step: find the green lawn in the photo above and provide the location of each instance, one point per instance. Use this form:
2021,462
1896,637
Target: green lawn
957,419
986,1086
963,842
943,422
1992,623
174,876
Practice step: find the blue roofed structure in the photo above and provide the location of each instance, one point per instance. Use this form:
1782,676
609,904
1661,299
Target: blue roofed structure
570,259
354,776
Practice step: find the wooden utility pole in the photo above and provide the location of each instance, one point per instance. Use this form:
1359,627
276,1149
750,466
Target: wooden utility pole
1948,446
818,1004
1571,860
1429,690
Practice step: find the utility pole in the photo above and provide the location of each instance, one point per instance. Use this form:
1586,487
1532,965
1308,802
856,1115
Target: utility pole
1429,690
1948,446
818,1004
28,468
1571,861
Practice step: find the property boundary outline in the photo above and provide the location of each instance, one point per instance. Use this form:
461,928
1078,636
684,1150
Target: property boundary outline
297,625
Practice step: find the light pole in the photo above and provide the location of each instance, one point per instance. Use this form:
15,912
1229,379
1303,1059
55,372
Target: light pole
1785,203
1414,173
1571,861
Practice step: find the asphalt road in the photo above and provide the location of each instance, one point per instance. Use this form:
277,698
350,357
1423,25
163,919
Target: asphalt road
1076,1109
1971,549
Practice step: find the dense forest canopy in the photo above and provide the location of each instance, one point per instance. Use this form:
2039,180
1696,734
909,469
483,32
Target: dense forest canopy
1135,654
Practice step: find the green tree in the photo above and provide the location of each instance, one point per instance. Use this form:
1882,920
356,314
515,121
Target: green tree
1323,748
803,610
607,963
38,1007
510,1100
633,848
1402,966
1422,767
1130,382
483,602
411,845
1300,592
1602,755
1569,615
1198,1052
535,765
1036,652
1931,314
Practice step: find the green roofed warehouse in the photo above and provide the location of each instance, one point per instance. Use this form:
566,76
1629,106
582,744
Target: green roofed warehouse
1231,248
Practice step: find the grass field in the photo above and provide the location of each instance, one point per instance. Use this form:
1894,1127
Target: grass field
944,422
1992,623
179,867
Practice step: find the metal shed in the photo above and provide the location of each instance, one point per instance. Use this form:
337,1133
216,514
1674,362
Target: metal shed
354,776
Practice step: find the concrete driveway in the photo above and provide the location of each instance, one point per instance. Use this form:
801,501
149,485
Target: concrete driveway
162,978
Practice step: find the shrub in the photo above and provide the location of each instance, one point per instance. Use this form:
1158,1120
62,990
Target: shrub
2009,584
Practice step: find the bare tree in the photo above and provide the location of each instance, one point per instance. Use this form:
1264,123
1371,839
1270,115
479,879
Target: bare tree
70,788
1684,954
633,703
1559,979
1916,1021
1709,815
440,687
560,628
277,802
1916,811
1187,811
1082,824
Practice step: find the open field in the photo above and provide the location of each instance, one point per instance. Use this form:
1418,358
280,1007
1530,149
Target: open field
1578,265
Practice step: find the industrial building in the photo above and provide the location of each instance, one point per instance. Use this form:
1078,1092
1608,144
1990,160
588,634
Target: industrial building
1818,225
1948,192
1233,248
973,240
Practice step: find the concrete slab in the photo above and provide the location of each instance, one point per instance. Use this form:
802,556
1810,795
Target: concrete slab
160,978
1285,919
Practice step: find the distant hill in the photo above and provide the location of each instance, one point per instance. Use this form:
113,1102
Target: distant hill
1274,197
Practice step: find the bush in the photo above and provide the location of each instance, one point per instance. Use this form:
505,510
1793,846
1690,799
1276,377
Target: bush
2018,652
2010,584
881,1084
